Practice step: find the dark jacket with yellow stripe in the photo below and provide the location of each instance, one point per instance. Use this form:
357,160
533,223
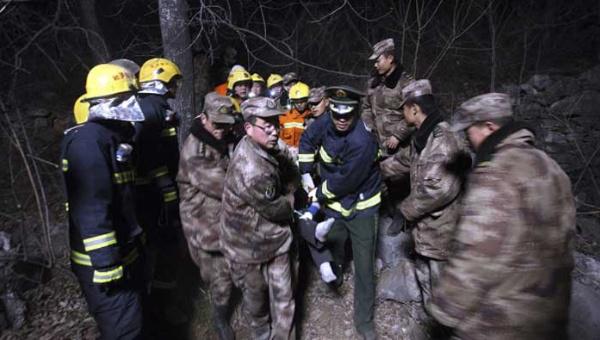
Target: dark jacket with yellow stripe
157,149
103,229
348,166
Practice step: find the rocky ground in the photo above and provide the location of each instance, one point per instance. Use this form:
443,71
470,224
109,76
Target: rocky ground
56,310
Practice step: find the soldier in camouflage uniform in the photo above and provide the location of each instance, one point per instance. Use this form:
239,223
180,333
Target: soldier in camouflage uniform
381,109
437,160
382,113
257,213
509,276
202,166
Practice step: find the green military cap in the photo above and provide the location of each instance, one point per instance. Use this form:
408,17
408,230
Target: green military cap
219,108
343,99
482,108
262,107
381,47
316,94
414,89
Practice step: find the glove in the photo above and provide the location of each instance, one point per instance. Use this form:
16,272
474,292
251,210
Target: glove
312,195
307,182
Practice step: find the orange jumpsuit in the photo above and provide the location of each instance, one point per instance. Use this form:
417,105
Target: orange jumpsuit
292,126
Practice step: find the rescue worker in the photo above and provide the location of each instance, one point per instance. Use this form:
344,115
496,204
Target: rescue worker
201,177
81,110
275,86
510,274
258,86
349,192
382,113
381,109
104,235
256,237
292,122
157,201
317,104
239,83
289,79
437,160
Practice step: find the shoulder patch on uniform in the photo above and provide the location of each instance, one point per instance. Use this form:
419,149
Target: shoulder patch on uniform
438,132
270,192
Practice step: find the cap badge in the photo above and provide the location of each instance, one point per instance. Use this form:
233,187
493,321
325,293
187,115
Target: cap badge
340,93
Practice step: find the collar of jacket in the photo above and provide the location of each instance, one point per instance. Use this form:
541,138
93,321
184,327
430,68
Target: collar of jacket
123,129
422,134
390,81
293,113
267,155
197,130
489,146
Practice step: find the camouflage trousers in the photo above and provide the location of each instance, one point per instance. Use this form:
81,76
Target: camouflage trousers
267,287
428,273
214,271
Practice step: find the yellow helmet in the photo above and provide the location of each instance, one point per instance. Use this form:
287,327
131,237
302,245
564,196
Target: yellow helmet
257,78
237,76
299,91
159,69
81,110
274,79
105,80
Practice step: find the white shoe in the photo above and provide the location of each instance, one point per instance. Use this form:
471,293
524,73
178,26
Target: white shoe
327,274
323,228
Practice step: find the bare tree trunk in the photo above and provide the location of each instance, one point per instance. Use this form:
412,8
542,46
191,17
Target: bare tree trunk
95,38
177,47
492,28
201,79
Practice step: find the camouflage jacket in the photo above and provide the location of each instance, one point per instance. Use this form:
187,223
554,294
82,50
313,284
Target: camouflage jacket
381,110
509,274
255,225
436,173
201,178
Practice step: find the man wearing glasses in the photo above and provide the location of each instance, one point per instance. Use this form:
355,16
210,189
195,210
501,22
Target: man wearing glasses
349,192
255,227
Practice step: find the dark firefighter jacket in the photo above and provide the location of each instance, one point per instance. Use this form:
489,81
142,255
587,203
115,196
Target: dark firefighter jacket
103,229
157,150
348,166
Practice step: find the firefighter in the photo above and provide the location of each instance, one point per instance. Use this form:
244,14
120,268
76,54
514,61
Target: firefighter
275,86
349,192
258,86
239,84
81,110
157,200
204,160
104,234
292,122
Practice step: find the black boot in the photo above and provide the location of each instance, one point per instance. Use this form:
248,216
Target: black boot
221,322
